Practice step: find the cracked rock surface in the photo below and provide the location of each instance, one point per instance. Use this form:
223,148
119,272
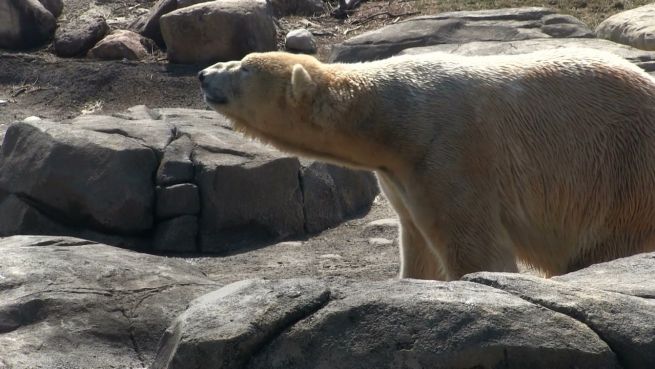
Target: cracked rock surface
71,303
139,178
384,324
487,320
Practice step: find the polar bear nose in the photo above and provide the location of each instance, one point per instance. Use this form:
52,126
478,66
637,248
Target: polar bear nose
201,75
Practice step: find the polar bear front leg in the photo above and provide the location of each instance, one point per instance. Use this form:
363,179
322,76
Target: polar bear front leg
416,259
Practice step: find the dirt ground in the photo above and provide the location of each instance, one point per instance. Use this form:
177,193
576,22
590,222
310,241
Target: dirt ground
354,249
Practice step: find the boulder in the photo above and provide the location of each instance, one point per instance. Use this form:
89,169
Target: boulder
75,304
331,194
80,177
80,36
625,323
283,8
393,324
120,44
300,40
634,27
148,25
25,24
218,31
268,205
457,28
94,177
644,59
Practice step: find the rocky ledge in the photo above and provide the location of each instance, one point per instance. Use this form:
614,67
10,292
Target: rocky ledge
71,303
177,179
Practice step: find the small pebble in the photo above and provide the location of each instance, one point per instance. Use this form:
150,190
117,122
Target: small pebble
379,241
32,119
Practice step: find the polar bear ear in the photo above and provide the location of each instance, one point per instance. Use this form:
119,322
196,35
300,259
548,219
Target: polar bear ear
302,84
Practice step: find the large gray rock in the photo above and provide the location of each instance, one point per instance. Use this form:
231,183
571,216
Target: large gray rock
625,323
634,27
94,177
218,31
251,194
458,28
331,194
74,304
394,324
644,59
25,24
269,205
80,36
80,177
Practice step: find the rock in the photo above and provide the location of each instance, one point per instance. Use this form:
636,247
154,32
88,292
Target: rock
234,322
177,234
283,8
248,201
32,119
80,36
394,324
75,304
300,40
456,28
331,194
151,133
218,31
16,216
176,165
25,24
251,194
625,323
55,7
176,200
631,276
120,44
148,26
644,59
90,179
633,27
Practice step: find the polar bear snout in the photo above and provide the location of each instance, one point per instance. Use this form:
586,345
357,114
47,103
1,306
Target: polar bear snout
215,83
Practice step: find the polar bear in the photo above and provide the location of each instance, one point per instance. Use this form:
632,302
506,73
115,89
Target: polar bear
547,157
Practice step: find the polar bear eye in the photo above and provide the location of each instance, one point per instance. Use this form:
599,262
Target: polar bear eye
245,69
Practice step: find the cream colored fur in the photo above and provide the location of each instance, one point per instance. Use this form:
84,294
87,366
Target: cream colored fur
546,157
